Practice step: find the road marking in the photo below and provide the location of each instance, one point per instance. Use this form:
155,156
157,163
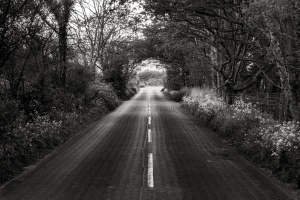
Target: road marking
150,155
149,136
150,171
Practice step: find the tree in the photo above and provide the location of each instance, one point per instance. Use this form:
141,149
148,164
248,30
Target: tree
115,72
277,21
61,11
150,74
176,47
225,37
14,20
98,24
17,24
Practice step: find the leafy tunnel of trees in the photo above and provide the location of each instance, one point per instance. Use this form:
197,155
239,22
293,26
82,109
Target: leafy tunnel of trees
62,62
50,49
235,46
58,54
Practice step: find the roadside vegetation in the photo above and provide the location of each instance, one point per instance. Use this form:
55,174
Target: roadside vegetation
247,51
270,143
61,68
32,129
64,61
29,133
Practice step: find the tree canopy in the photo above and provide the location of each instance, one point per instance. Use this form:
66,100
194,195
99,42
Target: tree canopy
233,46
236,46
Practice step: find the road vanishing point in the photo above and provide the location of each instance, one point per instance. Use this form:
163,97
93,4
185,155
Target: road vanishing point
148,148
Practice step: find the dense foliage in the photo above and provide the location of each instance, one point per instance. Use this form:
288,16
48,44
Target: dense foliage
30,134
270,143
54,77
235,46
151,77
67,59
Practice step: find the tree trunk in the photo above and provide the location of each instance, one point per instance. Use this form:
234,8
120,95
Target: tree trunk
62,12
63,49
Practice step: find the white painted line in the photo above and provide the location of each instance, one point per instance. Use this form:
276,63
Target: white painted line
149,112
150,171
149,120
149,136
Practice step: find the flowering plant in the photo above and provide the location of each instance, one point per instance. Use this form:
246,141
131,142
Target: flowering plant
256,134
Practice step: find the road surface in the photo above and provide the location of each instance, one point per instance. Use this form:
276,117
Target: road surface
149,148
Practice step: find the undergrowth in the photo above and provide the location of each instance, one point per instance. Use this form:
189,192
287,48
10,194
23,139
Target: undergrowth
28,135
260,138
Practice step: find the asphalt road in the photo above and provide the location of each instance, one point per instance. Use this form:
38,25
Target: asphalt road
146,149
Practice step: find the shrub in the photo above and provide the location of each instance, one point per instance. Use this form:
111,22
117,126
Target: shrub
78,79
26,136
262,139
9,111
205,107
283,142
21,145
199,92
104,92
134,85
176,95
134,90
64,100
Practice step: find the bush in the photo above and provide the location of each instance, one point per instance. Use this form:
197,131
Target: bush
272,144
78,80
104,92
283,143
21,145
64,100
9,111
134,90
27,136
176,95
134,85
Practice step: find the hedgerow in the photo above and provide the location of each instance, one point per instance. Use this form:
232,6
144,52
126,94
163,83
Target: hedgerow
175,95
274,145
27,136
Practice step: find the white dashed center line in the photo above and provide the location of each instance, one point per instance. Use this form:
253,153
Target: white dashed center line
150,155
150,171
149,136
